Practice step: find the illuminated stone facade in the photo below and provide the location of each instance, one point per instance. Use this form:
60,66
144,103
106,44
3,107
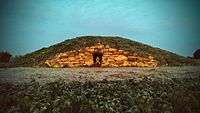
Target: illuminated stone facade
111,58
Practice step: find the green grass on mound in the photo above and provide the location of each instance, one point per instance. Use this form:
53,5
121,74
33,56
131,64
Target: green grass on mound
164,57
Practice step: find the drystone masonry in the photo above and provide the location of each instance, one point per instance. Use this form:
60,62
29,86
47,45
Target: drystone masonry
111,58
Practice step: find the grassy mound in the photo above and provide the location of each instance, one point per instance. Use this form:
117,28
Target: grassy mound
38,58
139,95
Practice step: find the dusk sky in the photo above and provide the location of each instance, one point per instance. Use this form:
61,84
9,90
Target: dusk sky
28,25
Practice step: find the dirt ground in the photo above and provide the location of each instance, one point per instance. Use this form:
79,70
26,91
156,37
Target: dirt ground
56,90
44,75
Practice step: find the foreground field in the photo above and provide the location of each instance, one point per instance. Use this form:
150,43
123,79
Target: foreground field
100,90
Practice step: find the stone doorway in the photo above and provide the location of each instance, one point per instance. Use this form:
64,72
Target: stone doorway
97,57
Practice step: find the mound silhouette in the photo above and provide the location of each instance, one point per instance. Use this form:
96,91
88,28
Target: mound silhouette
39,57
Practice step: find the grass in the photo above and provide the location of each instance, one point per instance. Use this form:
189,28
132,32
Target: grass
138,95
38,57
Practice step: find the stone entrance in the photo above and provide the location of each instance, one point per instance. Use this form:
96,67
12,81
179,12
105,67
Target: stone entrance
100,55
97,57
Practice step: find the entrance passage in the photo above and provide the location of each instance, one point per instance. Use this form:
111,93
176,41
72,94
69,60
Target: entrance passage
97,57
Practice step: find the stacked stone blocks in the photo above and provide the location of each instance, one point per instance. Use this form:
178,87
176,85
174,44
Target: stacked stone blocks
111,58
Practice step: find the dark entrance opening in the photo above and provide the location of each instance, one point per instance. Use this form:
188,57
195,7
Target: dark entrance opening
97,57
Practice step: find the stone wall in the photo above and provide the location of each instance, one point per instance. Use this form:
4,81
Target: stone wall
111,58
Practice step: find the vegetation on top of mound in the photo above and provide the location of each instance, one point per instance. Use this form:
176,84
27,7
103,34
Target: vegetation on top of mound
38,57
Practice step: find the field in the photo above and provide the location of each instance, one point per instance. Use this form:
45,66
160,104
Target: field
100,90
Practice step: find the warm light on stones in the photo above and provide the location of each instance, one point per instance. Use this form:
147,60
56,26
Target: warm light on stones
111,58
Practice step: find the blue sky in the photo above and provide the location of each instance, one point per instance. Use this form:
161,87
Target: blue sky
28,25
